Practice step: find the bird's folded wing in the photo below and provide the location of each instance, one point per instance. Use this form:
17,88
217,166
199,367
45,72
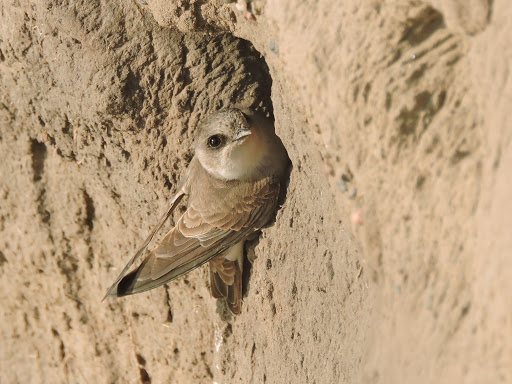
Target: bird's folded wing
208,227
174,203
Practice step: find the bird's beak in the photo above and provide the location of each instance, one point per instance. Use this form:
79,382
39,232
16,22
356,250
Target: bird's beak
241,134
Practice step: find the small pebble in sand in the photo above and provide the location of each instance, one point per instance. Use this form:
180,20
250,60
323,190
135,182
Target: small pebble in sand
272,45
356,217
429,301
353,194
342,186
241,5
244,7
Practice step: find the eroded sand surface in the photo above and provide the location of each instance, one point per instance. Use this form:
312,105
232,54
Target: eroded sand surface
390,260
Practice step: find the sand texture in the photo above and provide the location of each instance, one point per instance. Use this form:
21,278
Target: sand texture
390,260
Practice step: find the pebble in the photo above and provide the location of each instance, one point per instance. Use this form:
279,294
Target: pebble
272,45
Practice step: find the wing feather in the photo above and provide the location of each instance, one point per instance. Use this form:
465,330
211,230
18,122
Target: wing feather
208,228
174,203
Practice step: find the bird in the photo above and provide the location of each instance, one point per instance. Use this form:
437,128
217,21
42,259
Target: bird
233,183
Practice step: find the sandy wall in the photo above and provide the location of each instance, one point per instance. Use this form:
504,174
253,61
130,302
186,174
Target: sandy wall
390,260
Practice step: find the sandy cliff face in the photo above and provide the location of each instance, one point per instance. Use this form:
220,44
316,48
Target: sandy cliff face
390,258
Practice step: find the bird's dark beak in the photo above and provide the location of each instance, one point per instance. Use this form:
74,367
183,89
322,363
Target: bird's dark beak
241,134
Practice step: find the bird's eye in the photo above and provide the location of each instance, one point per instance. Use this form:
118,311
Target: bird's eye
214,141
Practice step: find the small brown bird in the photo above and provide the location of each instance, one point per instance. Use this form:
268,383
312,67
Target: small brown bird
233,183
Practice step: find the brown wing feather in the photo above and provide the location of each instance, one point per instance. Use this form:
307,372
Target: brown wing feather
112,291
216,219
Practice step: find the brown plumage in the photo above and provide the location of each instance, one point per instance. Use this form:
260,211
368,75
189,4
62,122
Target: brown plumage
221,213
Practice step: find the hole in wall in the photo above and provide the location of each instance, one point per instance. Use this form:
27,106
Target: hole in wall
39,153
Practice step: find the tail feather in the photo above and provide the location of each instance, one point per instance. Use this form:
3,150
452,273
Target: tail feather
234,298
226,279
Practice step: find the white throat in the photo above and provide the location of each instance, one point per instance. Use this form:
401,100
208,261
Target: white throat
243,162
238,161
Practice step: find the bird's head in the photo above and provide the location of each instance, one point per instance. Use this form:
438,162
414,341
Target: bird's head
230,145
